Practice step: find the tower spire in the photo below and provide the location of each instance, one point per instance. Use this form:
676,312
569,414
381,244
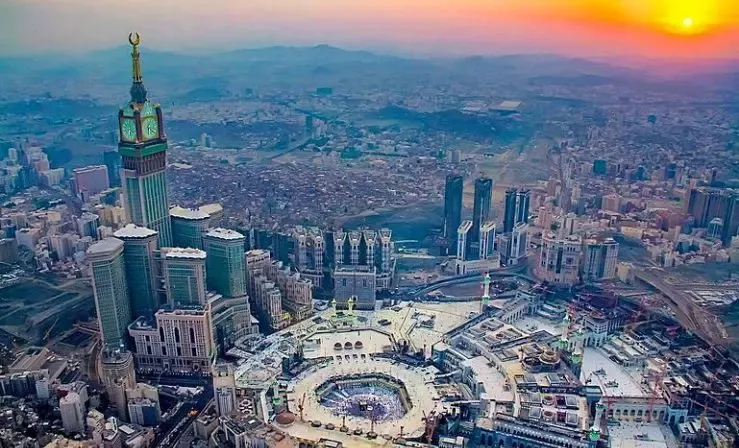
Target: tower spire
138,91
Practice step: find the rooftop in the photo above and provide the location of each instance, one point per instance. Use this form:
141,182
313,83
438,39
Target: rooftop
188,213
134,231
105,246
224,234
184,253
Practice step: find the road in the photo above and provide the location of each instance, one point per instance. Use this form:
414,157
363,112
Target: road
699,322
170,432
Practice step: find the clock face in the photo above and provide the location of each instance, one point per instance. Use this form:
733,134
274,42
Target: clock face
129,130
150,128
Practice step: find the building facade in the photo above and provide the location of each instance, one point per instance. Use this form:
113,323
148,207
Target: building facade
482,210
224,388
184,276
139,244
90,180
600,257
179,340
108,272
559,260
357,282
225,262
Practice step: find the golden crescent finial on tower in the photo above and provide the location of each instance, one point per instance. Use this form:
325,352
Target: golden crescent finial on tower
134,39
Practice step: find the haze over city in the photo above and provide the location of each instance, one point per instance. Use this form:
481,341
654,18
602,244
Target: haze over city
604,28
369,224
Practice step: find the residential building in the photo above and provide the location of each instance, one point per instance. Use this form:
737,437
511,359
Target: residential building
143,405
189,225
600,258
72,409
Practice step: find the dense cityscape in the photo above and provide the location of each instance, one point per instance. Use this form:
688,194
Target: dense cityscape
378,262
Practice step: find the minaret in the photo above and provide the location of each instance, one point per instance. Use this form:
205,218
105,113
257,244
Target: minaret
594,432
564,342
485,291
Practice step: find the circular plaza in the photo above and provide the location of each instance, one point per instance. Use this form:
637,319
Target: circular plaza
360,396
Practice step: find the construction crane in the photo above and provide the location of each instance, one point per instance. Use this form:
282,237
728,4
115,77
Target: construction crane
301,406
704,420
48,332
431,420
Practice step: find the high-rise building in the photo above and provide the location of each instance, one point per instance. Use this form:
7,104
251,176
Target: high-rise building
73,413
463,236
482,209
559,261
8,250
224,388
143,149
715,228
139,244
143,405
231,319
90,180
297,292
189,225
487,240
600,257
453,194
87,225
225,262
522,207
366,248
109,284
180,339
112,162
516,208
117,374
184,276
705,204
310,248
509,212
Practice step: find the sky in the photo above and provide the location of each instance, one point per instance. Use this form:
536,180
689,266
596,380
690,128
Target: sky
587,28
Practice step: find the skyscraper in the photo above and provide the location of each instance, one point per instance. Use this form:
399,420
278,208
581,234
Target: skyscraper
139,244
225,262
522,207
184,276
509,213
189,225
453,193
143,149
600,258
482,209
111,290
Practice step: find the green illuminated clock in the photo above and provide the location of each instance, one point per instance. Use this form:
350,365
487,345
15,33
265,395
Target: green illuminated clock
150,128
128,130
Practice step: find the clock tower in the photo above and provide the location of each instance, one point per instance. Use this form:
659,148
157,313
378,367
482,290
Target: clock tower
143,149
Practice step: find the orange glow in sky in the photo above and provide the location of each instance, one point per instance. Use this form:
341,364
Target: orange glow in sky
702,28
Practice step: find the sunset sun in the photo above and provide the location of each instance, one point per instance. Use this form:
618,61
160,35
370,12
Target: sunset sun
688,22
